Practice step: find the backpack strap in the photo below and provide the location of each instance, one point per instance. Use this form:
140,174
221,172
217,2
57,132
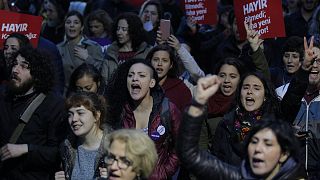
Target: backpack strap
25,117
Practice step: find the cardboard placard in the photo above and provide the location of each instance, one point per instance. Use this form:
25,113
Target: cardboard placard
266,16
21,23
202,11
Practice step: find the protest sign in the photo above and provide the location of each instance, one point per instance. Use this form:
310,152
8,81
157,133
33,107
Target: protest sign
202,11
21,23
266,17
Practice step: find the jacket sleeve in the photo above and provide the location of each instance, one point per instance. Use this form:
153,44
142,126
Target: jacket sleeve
190,64
95,56
260,62
291,102
201,163
107,68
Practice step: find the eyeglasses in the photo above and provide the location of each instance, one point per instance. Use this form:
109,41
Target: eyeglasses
122,162
317,61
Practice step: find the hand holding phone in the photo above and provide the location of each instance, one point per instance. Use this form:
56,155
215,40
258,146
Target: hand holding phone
165,27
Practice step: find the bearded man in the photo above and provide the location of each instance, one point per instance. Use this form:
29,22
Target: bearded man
33,153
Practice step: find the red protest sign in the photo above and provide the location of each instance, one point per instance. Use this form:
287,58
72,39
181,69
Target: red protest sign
21,23
266,16
202,11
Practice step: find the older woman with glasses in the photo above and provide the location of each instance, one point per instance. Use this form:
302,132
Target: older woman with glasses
131,156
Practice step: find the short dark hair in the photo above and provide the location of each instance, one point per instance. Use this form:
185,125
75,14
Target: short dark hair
91,101
282,130
41,68
294,44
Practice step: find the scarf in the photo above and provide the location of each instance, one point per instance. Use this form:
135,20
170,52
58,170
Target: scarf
244,121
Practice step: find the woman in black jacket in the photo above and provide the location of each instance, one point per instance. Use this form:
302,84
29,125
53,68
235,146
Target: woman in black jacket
271,151
256,98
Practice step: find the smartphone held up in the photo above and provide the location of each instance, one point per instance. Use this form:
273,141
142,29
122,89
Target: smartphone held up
165,27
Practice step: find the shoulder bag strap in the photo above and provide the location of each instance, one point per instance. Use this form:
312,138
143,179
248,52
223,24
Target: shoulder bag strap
26,117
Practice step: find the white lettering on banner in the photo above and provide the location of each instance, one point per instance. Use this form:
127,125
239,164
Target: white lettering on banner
254,6
14,27
29,36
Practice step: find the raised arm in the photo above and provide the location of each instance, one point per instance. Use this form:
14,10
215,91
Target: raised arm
291,101
201,163
188,61
256,45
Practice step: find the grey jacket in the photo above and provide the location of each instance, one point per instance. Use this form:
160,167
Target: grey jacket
70,62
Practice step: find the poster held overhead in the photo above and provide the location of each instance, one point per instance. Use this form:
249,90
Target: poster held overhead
28,25
202,11
266,17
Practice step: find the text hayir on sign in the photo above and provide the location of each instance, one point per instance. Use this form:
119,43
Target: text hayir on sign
21,23
202,11
266,17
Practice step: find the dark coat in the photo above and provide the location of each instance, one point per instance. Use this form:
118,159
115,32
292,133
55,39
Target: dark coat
43,134
206,166
168,161
228,149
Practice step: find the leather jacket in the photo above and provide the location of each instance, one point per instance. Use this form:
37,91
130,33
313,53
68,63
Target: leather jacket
207,166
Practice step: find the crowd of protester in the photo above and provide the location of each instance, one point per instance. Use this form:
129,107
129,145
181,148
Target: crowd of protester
105,96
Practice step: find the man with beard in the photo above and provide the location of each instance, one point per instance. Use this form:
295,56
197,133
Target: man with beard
297,22
34,153
308,120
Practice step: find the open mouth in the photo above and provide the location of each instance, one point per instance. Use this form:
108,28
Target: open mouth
159,70
113,176
314,74
135,88
257,162
226,87
249,101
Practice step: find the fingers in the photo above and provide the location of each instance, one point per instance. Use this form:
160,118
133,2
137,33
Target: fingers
103,172
305,43
208,81
59,175
5,153
246,26
311,42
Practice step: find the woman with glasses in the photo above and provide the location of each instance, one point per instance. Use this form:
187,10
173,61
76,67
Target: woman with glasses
131,156
82,151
